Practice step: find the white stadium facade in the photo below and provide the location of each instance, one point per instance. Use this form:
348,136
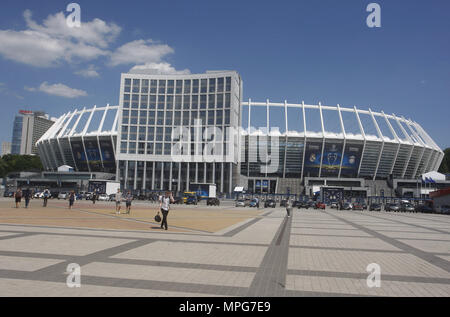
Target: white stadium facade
265,147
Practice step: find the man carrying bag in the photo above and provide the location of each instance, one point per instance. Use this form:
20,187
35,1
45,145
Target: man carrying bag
164,205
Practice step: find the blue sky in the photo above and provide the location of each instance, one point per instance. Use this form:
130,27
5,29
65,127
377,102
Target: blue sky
294,50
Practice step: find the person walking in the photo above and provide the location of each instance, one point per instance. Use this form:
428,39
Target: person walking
118,201
128,200
288,207
46,196
164,205
18,197
27,196
71,199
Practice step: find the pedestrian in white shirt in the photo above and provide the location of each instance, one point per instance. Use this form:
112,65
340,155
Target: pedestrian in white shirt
164,204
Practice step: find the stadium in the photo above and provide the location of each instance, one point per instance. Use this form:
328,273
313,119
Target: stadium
279,148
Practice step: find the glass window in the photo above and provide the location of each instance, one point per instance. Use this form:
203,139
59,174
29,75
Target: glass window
227,100
202,101
220,84
143,120
151,117
144,101
211,117
227,116
170,83
194,101
168,117
177,119
162,87
219,116
212,85
153,86
179,87
159,134
123,147
135,97
169,103
185,118
203,117
167,147
186,102
127,89
204,86
150,134
228,87
132,148
168,135
133,120
141,148
178,101
193,117
211,101
126,104
127,81
158,148
195,86
219,101
187,86
136,85
160,120
126,97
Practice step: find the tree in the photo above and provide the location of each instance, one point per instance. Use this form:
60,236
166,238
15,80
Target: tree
445,165
19,163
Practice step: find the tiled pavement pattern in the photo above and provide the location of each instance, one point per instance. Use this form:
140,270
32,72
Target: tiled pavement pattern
313,253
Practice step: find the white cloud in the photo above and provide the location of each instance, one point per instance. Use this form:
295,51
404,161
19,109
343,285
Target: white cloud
140,52
60,90
54,42
90,72
158,69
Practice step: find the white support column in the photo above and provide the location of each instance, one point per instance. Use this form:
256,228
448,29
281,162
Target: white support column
323,139
396,138
304,143
144,177
345,139
286,138
179,173
153,175
410,141
248,137
125,183
170,174
230,185
187,175
135,175
268,133
380,135
418,163
364,136
221,175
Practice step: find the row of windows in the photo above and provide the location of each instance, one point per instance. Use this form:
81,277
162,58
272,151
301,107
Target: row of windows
177,102
134,133
177,118
185,86
169,148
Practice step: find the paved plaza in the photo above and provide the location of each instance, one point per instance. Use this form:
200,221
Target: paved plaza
220,251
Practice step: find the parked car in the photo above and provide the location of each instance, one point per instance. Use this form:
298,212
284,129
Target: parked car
8,194
407,208
296,203
357,206
89,196
425,209
375,207
62,195
254,203
445,209
178,200
392,207
213,202
270,203
347,206
334,205
303,204
319,205
192,200
240,203
103,197
112,197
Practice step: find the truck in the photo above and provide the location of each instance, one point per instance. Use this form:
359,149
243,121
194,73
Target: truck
204,190
111,187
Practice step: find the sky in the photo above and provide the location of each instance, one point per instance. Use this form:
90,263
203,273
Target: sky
311,51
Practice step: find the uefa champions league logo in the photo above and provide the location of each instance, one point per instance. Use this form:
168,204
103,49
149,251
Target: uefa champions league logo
332,156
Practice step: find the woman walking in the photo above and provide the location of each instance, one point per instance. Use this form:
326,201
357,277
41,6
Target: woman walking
18,197
128,199
71,199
